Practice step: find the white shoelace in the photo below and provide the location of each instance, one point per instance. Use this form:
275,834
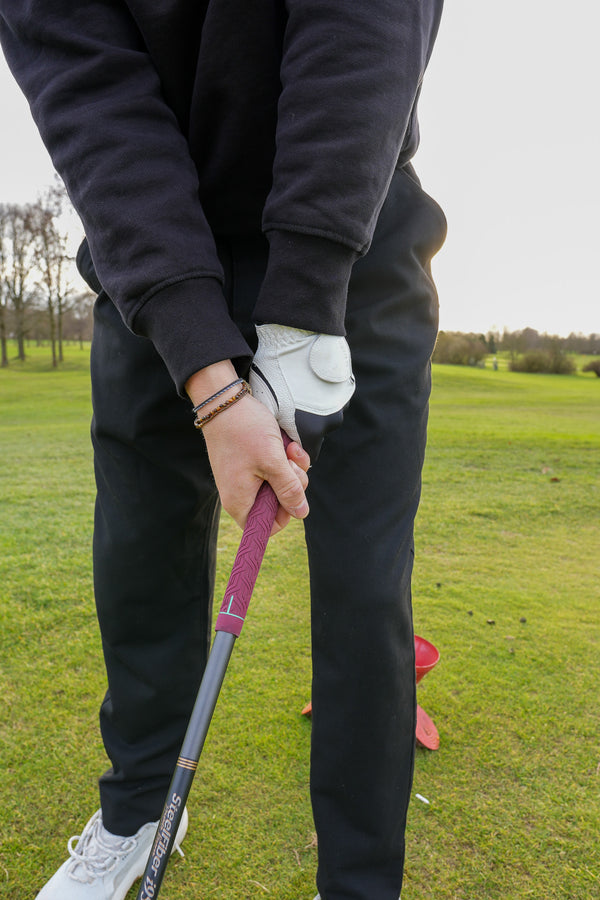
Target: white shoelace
95,852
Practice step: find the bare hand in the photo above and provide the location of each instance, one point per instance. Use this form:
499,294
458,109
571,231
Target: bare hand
245,448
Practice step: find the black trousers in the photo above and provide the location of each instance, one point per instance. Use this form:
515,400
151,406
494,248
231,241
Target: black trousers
155,536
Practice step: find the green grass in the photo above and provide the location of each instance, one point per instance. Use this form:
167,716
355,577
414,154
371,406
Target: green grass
508,531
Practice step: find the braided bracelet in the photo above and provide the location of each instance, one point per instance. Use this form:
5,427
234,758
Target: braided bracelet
200,422
218,394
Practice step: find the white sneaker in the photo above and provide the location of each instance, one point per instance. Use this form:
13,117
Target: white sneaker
318,897
103,866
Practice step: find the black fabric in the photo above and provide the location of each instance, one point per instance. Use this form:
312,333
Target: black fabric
364,493
154,554
85,265
174,121
155,529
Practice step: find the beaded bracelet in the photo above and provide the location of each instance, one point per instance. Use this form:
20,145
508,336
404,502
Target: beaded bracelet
218,394
200,422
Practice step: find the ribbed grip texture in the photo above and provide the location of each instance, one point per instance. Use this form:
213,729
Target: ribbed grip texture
247,561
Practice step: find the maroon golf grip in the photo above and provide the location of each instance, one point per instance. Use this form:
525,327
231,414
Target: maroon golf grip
247,561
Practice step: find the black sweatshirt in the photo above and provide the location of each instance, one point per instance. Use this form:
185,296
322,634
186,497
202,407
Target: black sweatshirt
172,121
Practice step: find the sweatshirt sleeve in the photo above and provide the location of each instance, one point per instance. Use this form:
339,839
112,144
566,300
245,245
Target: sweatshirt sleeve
351,75
96,99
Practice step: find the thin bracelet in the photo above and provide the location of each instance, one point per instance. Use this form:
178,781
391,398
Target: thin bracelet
218,394
203,420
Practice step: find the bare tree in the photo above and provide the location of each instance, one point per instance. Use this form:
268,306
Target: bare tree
19,260
79,317
52,261
3,289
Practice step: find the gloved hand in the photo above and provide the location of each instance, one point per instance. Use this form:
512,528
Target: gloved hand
305,379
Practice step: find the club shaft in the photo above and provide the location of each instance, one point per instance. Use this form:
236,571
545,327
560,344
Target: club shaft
185,769
229,624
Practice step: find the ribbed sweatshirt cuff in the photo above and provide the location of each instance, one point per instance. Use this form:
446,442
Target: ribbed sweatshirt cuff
189,324
306,282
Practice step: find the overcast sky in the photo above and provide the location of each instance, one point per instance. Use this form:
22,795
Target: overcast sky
510,147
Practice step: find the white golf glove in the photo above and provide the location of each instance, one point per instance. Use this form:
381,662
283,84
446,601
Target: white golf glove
305,379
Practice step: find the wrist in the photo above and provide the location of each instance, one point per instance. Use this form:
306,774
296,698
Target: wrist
208,381
205,412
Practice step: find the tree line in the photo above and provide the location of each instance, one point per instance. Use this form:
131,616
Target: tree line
41,299
41,296
527,349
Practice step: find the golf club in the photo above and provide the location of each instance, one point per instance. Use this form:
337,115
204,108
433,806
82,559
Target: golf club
228,627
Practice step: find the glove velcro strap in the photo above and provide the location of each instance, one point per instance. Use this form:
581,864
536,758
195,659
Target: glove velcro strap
329,358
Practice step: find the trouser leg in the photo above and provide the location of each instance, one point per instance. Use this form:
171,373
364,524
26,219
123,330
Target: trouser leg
364,492
156,525
155,534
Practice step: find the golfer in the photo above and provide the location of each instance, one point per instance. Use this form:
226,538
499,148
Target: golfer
243,174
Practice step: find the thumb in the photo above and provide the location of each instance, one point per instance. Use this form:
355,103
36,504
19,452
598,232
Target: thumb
289,491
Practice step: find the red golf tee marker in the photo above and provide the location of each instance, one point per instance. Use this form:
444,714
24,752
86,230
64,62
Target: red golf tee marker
247,561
